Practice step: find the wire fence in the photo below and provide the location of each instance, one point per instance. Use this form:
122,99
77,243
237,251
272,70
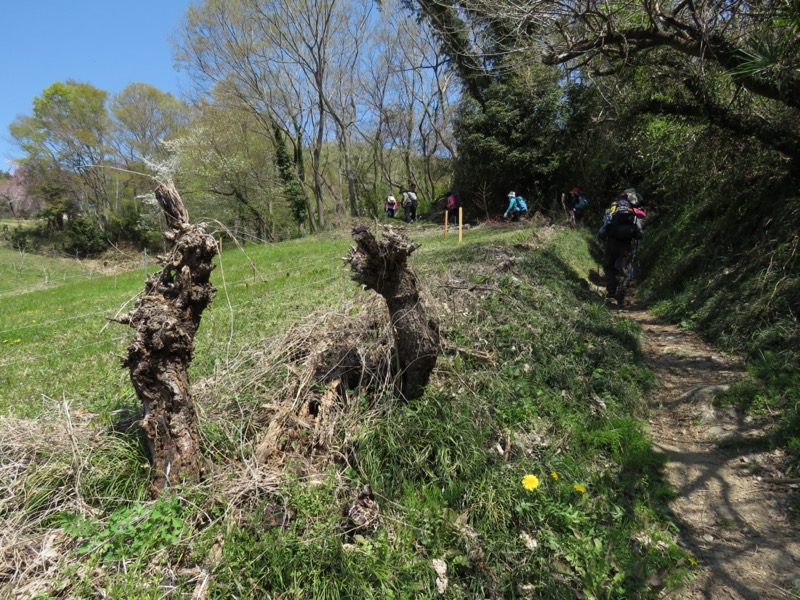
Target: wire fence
269,283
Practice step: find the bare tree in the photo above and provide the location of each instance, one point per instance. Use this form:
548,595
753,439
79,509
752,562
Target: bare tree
166,319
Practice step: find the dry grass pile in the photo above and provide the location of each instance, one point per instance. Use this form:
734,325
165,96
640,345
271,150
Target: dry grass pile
42,463
295,400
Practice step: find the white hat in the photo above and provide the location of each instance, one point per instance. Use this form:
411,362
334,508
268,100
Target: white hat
512,195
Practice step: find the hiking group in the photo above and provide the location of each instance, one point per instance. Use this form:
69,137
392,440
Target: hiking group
620,230
408,201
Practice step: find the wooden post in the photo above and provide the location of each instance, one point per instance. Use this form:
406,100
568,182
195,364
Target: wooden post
460,224
446,216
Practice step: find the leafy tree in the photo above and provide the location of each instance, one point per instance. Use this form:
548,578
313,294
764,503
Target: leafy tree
509,141
292,189
67,144
143,117
231,165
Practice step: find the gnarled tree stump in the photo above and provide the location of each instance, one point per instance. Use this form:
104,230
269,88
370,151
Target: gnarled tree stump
166,319
381,266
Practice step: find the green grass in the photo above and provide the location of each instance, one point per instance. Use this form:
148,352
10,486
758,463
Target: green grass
560,396
22,272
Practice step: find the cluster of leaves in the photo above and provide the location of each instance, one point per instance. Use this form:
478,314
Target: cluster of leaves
131,531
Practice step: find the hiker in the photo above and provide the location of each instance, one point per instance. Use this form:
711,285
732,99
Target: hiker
517,207
621,229
578,203
390,206
453,204
410,203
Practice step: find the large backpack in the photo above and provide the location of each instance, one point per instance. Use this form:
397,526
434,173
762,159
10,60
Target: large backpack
583,202
522,206
623,222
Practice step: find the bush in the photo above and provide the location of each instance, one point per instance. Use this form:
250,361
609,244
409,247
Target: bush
84,238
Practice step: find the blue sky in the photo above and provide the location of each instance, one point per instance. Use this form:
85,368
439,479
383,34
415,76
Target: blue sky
106,43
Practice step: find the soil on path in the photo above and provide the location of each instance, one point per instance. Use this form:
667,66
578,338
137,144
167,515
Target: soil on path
733,499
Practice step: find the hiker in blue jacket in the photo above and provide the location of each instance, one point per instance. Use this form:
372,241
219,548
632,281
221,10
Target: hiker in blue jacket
517,207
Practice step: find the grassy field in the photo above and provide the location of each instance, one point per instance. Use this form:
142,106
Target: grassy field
524,469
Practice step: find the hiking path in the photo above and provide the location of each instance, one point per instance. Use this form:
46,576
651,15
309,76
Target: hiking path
733,499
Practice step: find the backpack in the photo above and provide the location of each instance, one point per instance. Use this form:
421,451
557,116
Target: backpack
412,196
521,204
623,222
583,202
407,200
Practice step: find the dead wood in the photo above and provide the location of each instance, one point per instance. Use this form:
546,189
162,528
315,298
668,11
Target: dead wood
382,267
166,319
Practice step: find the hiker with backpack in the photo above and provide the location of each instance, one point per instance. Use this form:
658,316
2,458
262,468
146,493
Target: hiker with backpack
410,203
621,230
453,204
517,207
578,203
390,206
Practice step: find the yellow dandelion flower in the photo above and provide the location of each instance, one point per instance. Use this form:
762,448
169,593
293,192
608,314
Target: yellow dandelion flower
530,482
580,488
554,475
692,561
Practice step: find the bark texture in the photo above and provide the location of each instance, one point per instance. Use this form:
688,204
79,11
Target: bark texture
166,319
381,266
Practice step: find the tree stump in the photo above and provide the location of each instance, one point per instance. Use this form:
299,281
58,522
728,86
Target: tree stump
381,266
166,319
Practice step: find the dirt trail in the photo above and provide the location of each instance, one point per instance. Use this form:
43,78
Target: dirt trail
732,504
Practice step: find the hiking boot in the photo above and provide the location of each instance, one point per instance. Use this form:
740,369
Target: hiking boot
620,298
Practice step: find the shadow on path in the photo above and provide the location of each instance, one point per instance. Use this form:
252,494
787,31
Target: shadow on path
731,504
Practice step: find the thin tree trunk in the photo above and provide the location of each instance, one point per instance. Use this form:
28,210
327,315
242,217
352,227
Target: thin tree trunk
382,267
166,319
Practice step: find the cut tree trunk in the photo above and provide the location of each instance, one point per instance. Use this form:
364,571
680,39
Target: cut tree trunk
381,266
166,319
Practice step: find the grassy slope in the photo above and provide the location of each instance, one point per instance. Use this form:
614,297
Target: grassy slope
560,401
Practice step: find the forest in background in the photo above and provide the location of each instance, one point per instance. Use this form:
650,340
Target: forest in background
307,114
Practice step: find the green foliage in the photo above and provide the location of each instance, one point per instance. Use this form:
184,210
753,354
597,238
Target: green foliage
508,141
562,398
772,393
84,238
131,531
292,190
